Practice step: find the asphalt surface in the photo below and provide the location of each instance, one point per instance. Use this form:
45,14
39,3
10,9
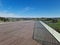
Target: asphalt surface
25,33
17,33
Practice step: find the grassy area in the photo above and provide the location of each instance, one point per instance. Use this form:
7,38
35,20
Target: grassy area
56,25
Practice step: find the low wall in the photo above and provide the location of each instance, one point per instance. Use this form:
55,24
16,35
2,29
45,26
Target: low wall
52,31
44,34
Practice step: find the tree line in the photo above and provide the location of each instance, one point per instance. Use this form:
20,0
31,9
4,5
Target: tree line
36,19
4,19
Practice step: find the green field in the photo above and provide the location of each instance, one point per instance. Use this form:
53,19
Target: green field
56,25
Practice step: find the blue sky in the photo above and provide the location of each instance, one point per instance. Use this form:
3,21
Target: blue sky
30,8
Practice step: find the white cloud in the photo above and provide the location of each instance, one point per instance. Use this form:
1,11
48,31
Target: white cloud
13,15
6,14
3,14
26,9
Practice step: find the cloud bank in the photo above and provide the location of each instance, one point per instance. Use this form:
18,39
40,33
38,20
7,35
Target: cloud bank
2,14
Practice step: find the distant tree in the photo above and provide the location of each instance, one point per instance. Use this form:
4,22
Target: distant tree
48,19
54,20
4,19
